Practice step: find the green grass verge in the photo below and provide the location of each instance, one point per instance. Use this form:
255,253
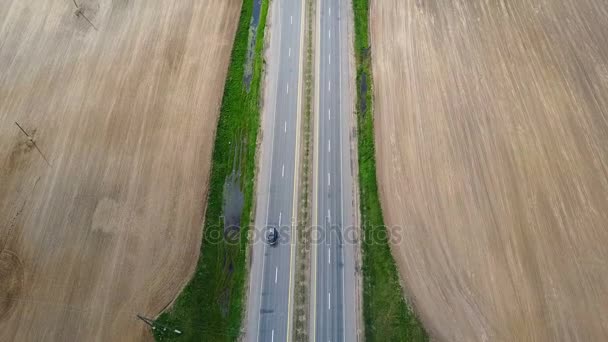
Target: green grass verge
210,308
386,314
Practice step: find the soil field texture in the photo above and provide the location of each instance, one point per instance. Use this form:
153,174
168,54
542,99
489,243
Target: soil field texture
491,125
103,183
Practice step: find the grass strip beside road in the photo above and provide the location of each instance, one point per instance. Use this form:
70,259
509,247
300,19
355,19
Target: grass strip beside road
386,314
210,308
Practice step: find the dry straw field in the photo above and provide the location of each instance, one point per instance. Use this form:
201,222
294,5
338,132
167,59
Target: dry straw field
102,192
492,144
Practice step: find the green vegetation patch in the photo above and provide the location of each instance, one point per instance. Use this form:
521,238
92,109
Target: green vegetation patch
210,308
386,314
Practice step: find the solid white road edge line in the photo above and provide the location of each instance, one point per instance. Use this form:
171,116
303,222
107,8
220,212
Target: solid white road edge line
315,190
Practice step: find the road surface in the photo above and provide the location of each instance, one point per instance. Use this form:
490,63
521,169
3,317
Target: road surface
333,291
270,298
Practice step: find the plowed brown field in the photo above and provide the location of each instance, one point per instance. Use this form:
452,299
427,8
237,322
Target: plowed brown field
121,97
492,143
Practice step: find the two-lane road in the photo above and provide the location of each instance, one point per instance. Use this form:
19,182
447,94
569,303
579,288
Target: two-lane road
333,294
270,297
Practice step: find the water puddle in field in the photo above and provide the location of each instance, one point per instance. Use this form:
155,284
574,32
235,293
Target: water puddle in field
234,199
257,9
253,31
233,204
363,94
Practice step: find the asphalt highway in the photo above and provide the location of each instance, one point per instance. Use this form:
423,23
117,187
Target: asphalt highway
270,297
333,295
333,301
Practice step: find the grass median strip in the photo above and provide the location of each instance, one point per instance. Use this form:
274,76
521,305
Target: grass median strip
386,313
210,308
302,314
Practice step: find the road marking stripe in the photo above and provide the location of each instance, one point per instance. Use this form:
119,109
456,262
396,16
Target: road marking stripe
329,114
329,85
272,338
330,11
283,171
329,33
315,212
329,58
289,52
285,129
341,243
287,88
329,215
276,274
329,301
328,145
291,19
280,216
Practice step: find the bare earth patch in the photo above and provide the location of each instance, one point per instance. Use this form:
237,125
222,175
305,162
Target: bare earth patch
492,145
102,193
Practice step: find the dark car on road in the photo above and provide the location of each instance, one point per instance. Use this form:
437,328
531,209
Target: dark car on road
272,236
